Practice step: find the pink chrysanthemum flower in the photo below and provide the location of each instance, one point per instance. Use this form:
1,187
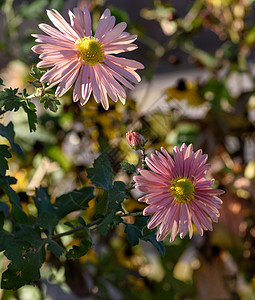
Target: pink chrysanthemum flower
178,193
78,56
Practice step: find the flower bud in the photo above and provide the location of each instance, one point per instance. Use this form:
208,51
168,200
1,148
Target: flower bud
135,140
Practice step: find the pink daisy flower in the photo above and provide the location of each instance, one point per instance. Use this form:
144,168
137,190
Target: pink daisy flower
178,193
88,61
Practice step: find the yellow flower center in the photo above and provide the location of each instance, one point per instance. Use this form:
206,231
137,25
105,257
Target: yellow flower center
91,50
182,189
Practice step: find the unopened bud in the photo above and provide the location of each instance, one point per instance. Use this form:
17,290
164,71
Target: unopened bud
135,140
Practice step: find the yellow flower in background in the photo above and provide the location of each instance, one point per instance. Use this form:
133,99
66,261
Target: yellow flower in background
184,90
218,3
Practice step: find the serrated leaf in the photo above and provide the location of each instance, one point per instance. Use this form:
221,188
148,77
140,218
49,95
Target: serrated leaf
134,231
17,212
133,234
139,230
130,168
26,252
116,195
109,222
8,133
4,153
78,251
75,200
25,268
101,174
9,100
37,73
32,117
47,216
55,248
50,102
149,236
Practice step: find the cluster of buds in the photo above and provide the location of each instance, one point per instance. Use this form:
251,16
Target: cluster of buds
135,140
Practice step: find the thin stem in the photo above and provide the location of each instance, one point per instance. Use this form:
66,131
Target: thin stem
95,222
135,214
34,94
79,228
143,158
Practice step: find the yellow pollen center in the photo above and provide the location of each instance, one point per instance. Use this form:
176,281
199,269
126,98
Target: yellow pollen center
182,189
90,50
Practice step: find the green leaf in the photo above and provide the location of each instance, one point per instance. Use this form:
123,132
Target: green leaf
69,224
149,236
75,200
9,100
8,133
139,230
4,153
116,195
50,102
31,116
81,221
47,216
130,168
55,248
79,251
17,212
26,252
101,174
133,234
4,211
1,82
37,73
134,231
25,268
109,222
5,238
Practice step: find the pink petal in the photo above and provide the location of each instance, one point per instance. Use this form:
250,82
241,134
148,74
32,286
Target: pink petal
105,24
125,62
114,33
62,25
67,82
121,71
87,22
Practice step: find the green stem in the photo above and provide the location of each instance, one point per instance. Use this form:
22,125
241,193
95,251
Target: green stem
135,214
143,158
93,223
79,228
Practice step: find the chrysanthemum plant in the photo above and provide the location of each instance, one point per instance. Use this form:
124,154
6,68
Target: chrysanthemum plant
177,193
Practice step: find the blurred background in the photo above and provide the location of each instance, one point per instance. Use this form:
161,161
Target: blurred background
197,87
